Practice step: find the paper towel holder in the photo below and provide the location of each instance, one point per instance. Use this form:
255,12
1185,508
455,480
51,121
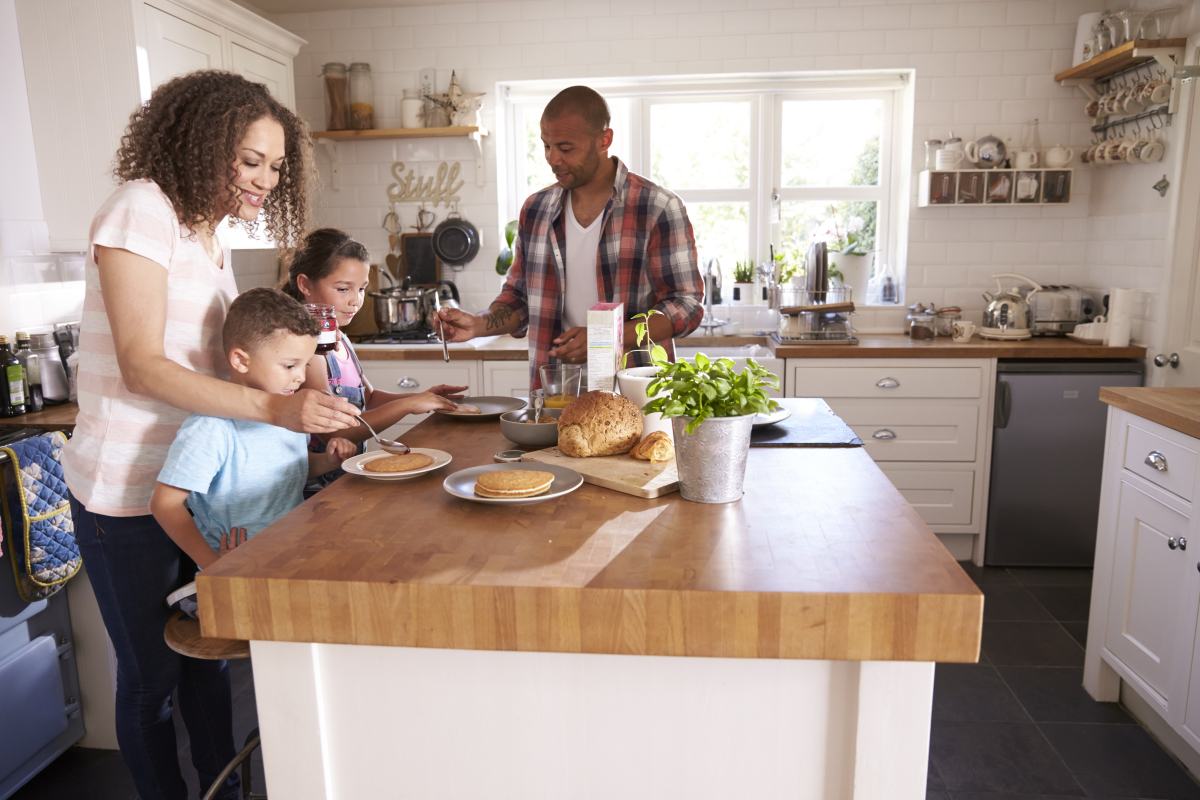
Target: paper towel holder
1162,186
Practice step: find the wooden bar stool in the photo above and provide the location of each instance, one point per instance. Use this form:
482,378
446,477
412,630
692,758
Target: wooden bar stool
182,635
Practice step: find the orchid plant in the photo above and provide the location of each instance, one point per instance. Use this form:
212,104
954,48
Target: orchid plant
845,237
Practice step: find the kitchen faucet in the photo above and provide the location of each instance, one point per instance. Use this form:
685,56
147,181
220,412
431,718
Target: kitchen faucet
709,322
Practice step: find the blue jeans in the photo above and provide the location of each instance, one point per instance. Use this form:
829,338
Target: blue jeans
133,565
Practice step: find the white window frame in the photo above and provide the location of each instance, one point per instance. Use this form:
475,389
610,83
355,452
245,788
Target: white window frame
766,94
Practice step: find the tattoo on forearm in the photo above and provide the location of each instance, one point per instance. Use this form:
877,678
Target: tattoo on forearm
498,317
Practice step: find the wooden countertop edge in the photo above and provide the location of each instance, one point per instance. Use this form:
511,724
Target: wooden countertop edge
427,353
713,624
905,349
1146,402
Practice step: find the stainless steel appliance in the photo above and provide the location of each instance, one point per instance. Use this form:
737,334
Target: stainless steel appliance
1056,310
39,685
410,310
1047,459
818,313
1007,314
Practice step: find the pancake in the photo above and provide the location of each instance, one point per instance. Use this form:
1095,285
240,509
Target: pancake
465,408
405,463
512,483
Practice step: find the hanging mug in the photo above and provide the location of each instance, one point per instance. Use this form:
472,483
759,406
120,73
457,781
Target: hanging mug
1153,150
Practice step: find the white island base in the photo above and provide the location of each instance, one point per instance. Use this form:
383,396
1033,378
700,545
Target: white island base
353,721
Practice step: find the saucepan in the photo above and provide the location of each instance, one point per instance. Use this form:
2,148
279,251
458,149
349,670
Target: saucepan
397,309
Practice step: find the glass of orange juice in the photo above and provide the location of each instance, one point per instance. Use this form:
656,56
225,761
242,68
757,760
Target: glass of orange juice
560,383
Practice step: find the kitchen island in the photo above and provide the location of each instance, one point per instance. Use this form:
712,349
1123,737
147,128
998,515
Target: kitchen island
409,643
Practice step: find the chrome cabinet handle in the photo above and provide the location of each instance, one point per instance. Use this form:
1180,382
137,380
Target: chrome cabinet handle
887,383
408,383
883,433
1156,460
1161,360
1183,543
1173,543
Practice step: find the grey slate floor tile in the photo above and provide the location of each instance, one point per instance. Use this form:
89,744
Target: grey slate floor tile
1120,761
973,692
1011,603
1051,576
1008,757
1078,631
1056,694
1027,644
1065,603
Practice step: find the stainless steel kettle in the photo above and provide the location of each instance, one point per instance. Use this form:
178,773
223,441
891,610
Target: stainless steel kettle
1007,310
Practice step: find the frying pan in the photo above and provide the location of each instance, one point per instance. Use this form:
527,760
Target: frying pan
455,241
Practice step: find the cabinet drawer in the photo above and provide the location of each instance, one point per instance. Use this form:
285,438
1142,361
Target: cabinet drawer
942,497
1178,461
888,382
913,433
418,376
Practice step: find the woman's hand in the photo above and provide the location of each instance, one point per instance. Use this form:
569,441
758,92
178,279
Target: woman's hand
449,392
310,411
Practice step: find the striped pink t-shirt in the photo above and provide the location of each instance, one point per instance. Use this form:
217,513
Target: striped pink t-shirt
121,438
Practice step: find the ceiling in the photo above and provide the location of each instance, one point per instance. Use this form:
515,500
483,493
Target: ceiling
289,6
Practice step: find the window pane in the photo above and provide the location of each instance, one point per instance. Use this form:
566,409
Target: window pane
831,142
700,145
839,224
722,231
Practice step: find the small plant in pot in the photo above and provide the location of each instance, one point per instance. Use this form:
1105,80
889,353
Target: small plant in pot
634,380
743,283
712,409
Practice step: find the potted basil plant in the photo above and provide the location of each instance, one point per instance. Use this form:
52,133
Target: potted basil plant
712,411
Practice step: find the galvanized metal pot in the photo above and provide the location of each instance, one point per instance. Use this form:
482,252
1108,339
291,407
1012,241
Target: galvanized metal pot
712,461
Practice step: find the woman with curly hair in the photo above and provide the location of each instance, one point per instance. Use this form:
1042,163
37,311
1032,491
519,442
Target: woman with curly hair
207,146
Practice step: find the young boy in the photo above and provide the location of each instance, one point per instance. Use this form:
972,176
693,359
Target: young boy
238,477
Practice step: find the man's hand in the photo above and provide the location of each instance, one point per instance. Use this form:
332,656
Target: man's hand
459,326
232,539
310,411
572,346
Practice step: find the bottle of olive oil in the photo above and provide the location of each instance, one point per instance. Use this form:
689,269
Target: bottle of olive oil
12,382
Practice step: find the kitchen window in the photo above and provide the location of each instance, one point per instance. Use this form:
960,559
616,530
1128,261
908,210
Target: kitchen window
772,162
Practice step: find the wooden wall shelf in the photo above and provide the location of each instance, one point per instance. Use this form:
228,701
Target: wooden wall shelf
330,139
1120,58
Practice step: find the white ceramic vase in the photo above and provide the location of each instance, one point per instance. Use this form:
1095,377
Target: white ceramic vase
745,293
633,383
855,269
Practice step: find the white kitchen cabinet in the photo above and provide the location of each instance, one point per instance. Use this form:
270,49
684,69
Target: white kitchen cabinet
90,63
506,378
927,422
1146,587
418,376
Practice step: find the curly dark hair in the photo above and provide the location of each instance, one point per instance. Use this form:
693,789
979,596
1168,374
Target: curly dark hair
185,140
319,255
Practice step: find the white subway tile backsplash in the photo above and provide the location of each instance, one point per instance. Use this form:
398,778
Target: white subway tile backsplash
839,19
934,15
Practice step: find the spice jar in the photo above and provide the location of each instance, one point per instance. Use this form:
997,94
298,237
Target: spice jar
337,97
412,109
327,339
362,97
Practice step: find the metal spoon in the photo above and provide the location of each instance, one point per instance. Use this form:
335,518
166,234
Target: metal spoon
538,402
395,448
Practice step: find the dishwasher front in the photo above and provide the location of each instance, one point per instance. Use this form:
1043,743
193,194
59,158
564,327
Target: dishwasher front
1047,460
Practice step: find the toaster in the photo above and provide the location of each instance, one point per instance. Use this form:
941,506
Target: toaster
1056,310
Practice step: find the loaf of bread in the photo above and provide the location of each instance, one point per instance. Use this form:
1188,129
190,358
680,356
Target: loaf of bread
599,424
656,446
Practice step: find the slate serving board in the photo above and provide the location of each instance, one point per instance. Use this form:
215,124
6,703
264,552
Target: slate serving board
812,424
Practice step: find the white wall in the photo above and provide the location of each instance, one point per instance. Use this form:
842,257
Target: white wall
39,288
982,67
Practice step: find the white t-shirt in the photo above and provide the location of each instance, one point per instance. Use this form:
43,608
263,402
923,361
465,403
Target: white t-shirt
582,257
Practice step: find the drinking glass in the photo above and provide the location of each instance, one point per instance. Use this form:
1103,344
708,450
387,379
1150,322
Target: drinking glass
560,383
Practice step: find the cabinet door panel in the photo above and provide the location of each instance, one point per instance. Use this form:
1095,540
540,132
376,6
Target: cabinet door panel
418,376
176,46
1145,613
912,433
263,69
506,378
941,497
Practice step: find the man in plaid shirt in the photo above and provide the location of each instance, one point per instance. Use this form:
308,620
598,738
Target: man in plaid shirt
599,234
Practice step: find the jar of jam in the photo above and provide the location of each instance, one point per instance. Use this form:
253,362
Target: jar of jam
327,339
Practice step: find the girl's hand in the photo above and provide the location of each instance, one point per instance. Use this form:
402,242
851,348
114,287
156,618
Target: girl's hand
338,450
232,539
428,401
451,392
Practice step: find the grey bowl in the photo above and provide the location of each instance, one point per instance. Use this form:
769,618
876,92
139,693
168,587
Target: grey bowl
514,426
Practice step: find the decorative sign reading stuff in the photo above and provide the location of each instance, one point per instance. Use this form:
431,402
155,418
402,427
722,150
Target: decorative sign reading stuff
411,189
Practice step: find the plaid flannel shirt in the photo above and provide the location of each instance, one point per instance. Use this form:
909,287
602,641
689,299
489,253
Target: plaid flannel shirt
647,259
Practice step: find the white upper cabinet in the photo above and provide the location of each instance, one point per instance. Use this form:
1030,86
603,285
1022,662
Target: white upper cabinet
88,65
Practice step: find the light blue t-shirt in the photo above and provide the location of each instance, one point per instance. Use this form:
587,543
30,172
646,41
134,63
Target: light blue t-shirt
240,474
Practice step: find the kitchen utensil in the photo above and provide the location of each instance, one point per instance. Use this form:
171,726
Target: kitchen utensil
354,465
825,308
437,307
490,407
54,375
462,483
424,219
396,448
539,403
619,473
397,309
1007,315
542,434
988,152
561,383
455,241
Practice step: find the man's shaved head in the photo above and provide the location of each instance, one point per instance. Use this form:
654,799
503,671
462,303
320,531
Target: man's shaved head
581,100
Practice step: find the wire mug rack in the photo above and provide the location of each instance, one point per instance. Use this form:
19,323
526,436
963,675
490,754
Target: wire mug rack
1156,118
814,325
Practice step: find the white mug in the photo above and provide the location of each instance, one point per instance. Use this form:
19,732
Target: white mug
949,159
963,331
1027,159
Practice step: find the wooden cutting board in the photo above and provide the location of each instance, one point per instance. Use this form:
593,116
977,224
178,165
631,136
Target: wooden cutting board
619,473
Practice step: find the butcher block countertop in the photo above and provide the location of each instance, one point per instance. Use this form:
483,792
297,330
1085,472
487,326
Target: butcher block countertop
1177,409
50,418
895,345
822,559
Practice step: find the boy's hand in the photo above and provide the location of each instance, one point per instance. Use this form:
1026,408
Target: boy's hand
338,450
428,401
232,539
449,392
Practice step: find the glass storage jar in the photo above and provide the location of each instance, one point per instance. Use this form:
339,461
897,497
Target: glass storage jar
946,317
362,97
337,96
921,326
931,148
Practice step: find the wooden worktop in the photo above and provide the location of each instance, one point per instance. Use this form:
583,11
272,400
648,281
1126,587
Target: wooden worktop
821,559
1177,409
50,418
895,345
